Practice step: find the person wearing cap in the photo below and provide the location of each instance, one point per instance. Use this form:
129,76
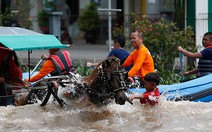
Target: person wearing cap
118,51
57,63
140,58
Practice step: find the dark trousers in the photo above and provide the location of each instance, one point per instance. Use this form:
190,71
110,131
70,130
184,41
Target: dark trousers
3,94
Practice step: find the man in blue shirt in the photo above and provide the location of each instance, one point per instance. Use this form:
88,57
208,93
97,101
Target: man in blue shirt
118,51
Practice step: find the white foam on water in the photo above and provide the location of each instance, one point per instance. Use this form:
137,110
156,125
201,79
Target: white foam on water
165,117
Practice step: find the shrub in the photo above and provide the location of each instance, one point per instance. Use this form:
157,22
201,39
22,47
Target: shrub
43,21
89,20
81,68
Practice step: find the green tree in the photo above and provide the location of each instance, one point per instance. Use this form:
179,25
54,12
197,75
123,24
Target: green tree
21,16
43,21
89,20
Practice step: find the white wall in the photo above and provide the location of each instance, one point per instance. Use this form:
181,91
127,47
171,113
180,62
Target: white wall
152,7
126,22
201,25
36,7
83,3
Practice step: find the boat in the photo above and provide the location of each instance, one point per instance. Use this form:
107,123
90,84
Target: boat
21,39
197,90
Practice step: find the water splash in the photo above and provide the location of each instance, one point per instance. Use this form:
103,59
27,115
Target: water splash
166,116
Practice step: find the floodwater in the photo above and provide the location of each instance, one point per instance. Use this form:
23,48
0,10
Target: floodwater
166,117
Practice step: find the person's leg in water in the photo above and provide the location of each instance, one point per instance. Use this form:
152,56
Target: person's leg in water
3,92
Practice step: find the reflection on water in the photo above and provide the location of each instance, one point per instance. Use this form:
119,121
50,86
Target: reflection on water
166,117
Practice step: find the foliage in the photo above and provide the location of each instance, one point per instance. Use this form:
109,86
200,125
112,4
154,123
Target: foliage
118,30
5,18
43,21
169,77
82,69
21,17
162,37
89,20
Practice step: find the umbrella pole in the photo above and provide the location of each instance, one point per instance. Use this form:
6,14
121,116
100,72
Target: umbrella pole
181,64
29,52
36,67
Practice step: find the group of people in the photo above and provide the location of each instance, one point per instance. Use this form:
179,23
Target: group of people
144,66
139,63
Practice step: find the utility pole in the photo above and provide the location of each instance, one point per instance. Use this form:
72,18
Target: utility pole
109,10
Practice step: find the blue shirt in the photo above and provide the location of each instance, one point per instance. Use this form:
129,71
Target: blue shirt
121,54
207,53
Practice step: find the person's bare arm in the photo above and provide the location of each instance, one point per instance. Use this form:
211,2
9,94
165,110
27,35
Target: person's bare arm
188,53
89,64
135,96
194,71
44,57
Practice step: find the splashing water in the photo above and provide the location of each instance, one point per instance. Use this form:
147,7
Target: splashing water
165,117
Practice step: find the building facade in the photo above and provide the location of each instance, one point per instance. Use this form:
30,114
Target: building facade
199,16
194,13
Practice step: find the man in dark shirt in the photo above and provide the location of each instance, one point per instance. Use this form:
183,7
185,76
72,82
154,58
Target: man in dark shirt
118,51
205,56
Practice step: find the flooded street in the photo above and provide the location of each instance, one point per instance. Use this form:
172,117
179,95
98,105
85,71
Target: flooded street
166,117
